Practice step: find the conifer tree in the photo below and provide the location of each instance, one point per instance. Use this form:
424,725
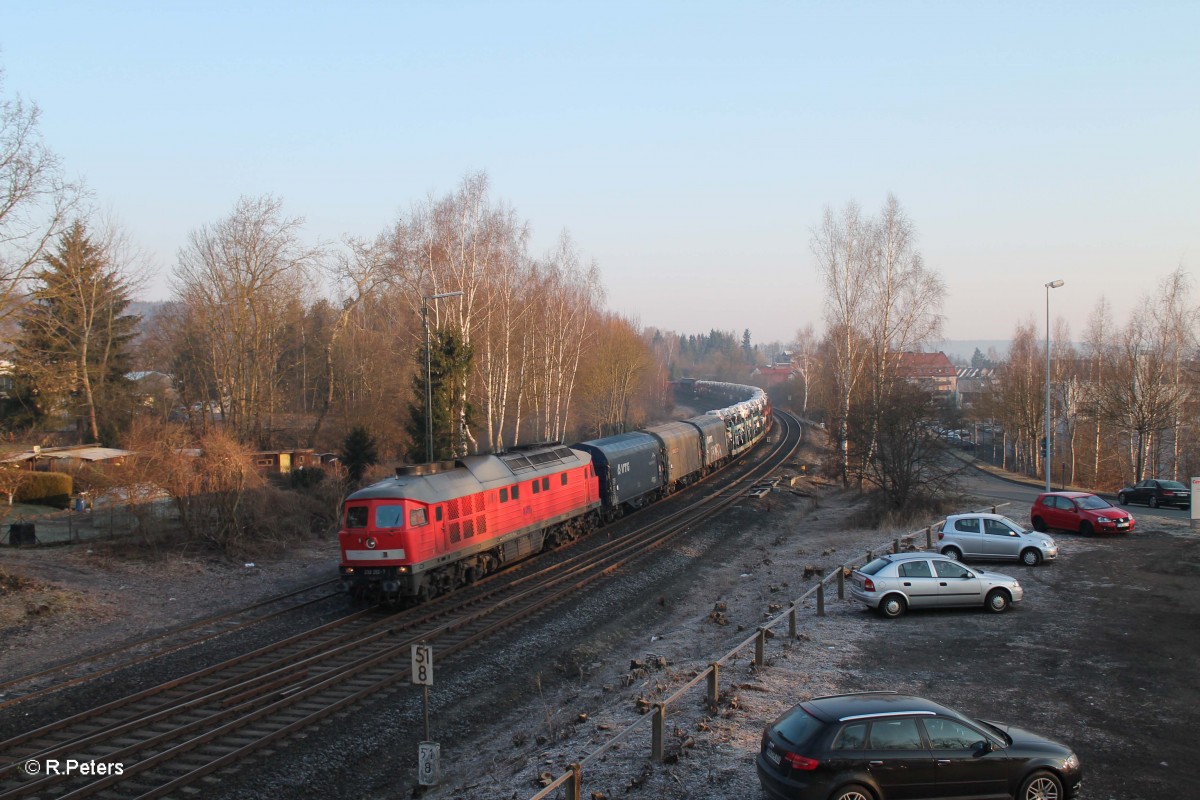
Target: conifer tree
73,348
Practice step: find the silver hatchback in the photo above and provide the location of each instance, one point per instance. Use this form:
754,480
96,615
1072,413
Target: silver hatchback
993,536
894,583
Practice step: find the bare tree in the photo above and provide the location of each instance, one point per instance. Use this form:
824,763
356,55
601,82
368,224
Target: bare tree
237,277
1146,397
842,247
904,303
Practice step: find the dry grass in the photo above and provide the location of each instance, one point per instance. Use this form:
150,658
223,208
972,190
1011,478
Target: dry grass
23,600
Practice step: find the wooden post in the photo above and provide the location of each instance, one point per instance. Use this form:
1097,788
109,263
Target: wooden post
841,583
895,545
821,599
659,734
760,644
792,621
714,684
575,782
929,537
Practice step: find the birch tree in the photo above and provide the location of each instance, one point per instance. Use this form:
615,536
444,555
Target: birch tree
842,247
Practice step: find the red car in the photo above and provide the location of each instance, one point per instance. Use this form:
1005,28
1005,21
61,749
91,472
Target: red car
1078,511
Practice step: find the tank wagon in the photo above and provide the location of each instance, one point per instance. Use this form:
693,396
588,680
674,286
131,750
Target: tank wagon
435,527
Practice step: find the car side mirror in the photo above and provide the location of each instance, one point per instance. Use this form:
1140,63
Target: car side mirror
984,746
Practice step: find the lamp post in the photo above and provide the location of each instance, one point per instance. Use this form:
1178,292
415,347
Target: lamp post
428,378
1049,286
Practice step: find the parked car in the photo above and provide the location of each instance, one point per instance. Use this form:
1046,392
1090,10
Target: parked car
1156,493
1078,511
993,536
882,745
896,582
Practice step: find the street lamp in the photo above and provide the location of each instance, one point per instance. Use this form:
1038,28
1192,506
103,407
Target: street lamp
1049,286
428,379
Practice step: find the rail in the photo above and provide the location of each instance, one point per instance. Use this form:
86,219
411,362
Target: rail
572,779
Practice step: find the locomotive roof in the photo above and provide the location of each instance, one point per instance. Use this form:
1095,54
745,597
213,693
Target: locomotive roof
473,474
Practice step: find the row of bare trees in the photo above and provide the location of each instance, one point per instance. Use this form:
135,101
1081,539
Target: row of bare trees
1123,400
248,339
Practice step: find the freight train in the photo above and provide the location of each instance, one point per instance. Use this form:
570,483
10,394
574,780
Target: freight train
435,527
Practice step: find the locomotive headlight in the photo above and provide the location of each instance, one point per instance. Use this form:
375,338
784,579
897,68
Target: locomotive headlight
370,542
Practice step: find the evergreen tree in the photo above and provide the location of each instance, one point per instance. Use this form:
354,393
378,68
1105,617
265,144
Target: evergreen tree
449,370
73,348
359,451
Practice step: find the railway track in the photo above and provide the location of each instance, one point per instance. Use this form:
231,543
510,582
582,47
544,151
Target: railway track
139,651
170,736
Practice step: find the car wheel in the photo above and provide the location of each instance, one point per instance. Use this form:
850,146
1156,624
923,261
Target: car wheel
997,601
1041,786
1085,529
856,792
893,606
1154,502
1121,499
952,553
1039,525
1031,557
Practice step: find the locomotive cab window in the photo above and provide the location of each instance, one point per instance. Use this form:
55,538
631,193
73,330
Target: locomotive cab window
535,487
356,517
545,484
564,479
437,514
516,492
417,517
504,495
389,516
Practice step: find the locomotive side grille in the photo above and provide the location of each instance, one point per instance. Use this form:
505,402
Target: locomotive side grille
455,535
468,528
454,509
482,522
478,503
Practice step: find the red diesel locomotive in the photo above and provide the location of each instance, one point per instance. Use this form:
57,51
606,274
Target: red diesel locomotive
435,527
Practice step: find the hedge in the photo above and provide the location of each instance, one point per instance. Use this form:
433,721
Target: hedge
46,488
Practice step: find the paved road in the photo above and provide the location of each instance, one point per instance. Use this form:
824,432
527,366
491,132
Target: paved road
1020,496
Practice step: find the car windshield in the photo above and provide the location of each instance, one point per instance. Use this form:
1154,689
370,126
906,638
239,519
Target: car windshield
1175,486
1092,502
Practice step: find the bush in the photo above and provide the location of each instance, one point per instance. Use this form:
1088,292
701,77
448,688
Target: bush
46,488
305,477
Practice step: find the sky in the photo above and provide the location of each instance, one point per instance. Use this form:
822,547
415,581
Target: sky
689,148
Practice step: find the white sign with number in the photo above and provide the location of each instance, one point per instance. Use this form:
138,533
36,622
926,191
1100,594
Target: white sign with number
428,754
422,665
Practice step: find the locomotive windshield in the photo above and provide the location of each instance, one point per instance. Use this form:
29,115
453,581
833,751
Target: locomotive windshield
356,517
389,516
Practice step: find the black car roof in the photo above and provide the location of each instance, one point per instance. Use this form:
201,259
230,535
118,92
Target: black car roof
866,704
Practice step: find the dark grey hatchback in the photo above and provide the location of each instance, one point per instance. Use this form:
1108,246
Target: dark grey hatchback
883,745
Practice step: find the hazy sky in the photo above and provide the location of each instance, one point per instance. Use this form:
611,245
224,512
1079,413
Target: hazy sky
689,148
